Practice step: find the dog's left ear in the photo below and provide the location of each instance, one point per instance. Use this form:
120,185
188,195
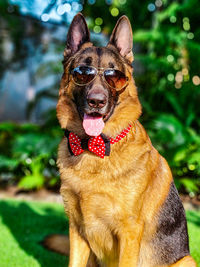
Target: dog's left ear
122,38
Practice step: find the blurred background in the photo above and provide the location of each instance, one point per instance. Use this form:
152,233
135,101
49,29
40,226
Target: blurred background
166,38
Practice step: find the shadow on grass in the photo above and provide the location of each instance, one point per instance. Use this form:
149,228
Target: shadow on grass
29,223
193,217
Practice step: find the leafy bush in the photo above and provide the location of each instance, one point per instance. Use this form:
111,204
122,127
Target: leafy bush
28,154
181,147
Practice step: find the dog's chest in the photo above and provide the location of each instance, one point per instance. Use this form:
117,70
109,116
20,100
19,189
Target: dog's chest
100,214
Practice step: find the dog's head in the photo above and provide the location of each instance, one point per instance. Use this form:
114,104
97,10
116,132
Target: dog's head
97,92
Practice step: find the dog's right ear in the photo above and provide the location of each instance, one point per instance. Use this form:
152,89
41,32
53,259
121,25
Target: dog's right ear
78,34
122,38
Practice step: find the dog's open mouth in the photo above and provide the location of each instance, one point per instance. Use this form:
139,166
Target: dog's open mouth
93,124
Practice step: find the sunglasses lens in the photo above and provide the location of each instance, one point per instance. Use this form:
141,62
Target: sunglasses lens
115,78
83,74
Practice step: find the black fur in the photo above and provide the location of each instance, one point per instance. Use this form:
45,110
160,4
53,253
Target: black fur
171,239
88,61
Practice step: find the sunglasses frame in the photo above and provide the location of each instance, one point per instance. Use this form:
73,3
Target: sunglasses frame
100,72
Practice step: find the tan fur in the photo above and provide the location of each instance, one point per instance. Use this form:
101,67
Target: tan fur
185,262
112,203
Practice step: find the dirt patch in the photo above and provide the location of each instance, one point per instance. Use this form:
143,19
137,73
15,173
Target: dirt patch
50,196
39,195
190,203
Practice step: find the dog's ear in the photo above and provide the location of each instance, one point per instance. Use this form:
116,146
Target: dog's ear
78,34
122,38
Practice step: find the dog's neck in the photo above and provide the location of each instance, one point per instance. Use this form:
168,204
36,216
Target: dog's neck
99,145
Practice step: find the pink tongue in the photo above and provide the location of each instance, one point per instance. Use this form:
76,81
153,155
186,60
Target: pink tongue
93,126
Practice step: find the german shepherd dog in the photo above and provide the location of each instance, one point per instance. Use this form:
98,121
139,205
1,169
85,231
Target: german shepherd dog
118,191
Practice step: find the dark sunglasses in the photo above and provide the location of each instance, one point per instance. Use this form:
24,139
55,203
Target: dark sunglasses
83,75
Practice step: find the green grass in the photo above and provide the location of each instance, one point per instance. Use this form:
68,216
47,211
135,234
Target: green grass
24,224
193,218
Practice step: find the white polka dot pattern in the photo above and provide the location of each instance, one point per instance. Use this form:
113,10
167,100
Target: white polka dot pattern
75,144
95,144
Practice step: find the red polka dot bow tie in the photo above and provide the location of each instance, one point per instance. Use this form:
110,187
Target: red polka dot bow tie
99,145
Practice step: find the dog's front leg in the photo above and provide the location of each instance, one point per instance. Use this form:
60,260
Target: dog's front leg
130,246
79,250
129,253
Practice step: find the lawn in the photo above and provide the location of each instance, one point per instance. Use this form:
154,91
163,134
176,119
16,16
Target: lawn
24,224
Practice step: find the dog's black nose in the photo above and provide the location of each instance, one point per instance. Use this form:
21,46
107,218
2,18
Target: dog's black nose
96,99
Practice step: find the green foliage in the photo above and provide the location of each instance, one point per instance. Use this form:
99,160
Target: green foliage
35,179
28,154
180,145
8,163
